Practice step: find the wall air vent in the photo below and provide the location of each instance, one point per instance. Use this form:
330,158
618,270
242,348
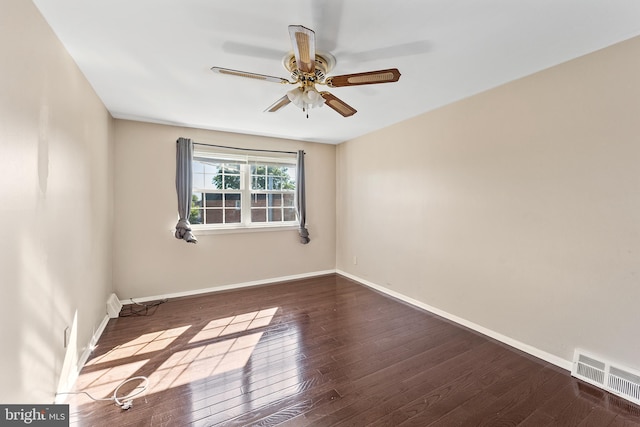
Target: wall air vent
624,384
616,379
113,306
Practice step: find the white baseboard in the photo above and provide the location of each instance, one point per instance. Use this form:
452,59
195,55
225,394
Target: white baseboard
67,385
548,357
94,341
229,287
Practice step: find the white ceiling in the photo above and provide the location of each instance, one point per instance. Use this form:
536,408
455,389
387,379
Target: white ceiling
150,60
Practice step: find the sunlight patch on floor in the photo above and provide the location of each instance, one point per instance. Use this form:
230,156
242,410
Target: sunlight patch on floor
205,361
102,382
146,343
235,324
223,345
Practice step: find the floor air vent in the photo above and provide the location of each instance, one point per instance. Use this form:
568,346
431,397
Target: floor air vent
620,381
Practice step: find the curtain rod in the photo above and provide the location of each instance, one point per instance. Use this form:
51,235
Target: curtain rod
245,149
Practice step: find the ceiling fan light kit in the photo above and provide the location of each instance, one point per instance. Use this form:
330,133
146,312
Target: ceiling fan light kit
305,97
308,69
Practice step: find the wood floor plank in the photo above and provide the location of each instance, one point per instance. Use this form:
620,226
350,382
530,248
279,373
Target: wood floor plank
324,351
538,419
371,390
522,410
428,405
597,417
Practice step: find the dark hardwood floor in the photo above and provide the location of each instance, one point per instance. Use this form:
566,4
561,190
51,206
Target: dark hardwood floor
324,352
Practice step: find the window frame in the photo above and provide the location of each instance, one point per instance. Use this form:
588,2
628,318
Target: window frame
245,161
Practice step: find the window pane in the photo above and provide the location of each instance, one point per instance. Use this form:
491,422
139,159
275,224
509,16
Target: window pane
274,170
231,215
257,183
213,176
232,182
232,200
198,180
258,200
274,183
289,180
289,214
211,182
213,216
232,168
288,199
195,216
196,200
275,215
275,200
258,215
212,169
213,200
257,169
197,167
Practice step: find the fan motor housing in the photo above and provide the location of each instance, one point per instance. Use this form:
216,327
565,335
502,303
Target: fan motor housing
324,64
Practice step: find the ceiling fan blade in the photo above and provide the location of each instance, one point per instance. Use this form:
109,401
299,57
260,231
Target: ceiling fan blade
282,102
246,74
368,78
337,104
303,41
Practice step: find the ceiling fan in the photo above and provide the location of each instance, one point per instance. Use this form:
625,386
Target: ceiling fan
309,68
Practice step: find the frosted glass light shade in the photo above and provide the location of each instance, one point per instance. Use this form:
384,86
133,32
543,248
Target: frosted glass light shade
307,97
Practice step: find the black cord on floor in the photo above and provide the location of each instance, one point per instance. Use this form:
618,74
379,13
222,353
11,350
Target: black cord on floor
139,309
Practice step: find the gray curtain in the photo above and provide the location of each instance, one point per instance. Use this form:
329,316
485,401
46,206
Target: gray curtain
184,182
301,207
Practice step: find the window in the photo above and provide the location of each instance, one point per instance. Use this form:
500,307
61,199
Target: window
231,191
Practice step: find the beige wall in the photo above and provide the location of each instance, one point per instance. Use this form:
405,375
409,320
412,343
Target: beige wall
150,261
55,207
517,209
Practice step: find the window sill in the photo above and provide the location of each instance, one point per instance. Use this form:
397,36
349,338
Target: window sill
204,230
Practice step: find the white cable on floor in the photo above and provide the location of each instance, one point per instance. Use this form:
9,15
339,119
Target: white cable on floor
125,402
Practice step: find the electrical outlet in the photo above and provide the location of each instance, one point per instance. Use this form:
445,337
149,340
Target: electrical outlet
355,260
66,337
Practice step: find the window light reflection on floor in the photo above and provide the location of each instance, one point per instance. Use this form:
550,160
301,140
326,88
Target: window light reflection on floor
101,383
205,361
146,343
208,354
216,357
235,324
